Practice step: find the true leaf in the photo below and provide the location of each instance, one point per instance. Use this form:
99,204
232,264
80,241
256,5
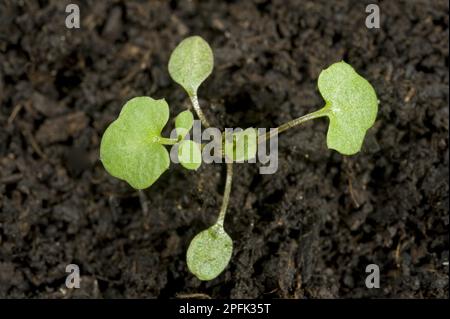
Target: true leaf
191,63
189,154
130,148
183,123
241,145
209,252
351,105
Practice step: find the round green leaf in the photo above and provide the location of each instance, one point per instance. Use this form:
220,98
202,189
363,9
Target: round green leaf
130,148
189,154
243,146
191,63
351,105
183,123
209,253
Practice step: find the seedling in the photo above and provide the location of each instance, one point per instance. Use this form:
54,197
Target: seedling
132,148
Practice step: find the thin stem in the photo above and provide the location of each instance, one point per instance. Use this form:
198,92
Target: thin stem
284,127
226,194
198,110
167,141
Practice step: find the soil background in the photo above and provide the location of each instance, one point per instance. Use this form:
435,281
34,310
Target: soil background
307,231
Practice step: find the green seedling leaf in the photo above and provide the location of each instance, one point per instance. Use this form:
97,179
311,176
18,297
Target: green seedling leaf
242,145
209,252
189,154
130,148
351,105
191,63
183,123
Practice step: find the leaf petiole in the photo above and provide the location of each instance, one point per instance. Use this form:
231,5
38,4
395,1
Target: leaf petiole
198,110
293,123
165,140
226,195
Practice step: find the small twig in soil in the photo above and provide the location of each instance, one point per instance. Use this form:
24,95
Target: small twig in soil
410,95
352,193
350,177
34,144
14,113
11,179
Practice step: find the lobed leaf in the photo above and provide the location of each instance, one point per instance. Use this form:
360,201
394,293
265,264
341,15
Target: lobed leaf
130,148
351,105
191,63
209,253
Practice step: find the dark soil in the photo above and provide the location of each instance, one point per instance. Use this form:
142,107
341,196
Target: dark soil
308,231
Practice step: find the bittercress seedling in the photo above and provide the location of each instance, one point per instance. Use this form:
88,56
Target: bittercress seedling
133,149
